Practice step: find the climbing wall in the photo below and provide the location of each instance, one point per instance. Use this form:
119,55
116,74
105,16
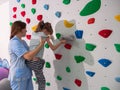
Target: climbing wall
91,60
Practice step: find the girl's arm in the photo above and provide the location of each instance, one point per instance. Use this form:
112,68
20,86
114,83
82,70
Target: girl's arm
54,47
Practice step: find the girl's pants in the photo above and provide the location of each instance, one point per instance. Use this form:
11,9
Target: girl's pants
37,67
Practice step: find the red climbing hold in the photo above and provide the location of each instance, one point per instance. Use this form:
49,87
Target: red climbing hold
28,37
34,1
91,20
23,13
58,56
39,17
28,20
105,33
14,16
78,82
67,46
14,9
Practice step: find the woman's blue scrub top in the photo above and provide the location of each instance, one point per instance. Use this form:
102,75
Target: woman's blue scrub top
18,69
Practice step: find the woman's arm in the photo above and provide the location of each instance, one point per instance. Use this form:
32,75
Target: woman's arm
31,54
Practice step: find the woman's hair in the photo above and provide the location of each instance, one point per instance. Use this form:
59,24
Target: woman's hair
42,25
16,27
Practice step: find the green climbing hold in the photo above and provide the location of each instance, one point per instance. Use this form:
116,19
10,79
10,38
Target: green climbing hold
92,7
59,78
79,59
47,83
66,2
33,10
48,65
117,47
68,69
58,35
10,23
90,47
35,79
105,88
46,45
23,5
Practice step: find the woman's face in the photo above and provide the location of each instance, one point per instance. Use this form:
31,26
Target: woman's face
23,32
46,32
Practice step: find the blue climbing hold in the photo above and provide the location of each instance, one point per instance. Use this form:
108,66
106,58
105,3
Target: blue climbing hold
58,14
90,73
79,34
117,79
46,6
105,62
18,1
65,88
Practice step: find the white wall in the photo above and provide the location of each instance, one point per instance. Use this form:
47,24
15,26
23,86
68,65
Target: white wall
4,29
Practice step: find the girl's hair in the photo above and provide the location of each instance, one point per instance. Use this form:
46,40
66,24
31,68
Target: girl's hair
16,27
42,25
39,26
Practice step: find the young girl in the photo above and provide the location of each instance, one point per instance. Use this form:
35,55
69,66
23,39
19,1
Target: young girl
44,31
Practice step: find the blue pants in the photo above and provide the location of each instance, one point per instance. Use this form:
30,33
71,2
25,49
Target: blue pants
24,84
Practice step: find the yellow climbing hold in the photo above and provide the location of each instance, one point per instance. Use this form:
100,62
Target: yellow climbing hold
117,17
68,24
34,28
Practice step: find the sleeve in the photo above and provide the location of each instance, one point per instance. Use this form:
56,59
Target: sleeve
18,48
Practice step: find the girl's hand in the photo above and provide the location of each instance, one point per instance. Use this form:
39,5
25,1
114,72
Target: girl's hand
42,41
63,41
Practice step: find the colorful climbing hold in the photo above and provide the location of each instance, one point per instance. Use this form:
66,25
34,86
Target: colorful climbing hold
117,79
105,88
91,7
68,69
90,73
79,59
28,20
46,45
34,28
91,20
79,34
23,13
34,2
78,82
28,36
47,83
66,2
58,56
14,9
64,88
59,78
117,17
18,1
105,33
90,47
46,6
104,62
39,17
48,65
58,14
33,10
14,16
23,5
117,47
68,24
68,46
58,35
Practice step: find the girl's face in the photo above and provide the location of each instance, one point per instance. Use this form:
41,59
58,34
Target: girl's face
46,32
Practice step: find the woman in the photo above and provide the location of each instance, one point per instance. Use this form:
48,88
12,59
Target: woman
43,30
20,75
